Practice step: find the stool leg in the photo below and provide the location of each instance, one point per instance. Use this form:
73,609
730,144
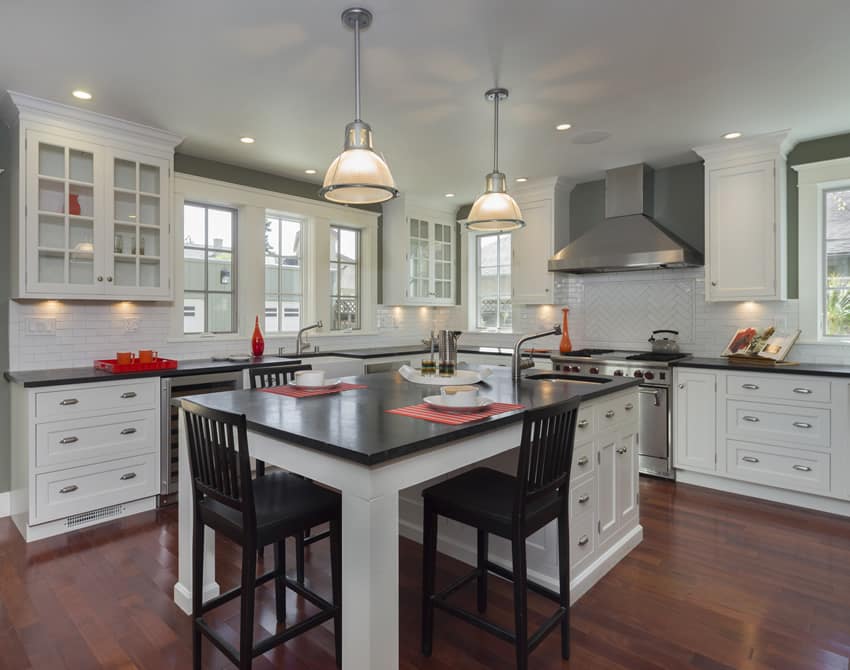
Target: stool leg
429,565
336,586
260,468
197,589
520,601
482,571
299,558
564,579
280,580
246,626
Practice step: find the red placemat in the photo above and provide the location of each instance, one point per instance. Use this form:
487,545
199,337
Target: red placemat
292,392
424,411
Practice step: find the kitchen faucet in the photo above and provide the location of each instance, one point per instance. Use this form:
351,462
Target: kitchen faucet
517,364
299,344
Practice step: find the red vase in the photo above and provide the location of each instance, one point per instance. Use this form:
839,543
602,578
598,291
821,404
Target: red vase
73,204
258,344
566,344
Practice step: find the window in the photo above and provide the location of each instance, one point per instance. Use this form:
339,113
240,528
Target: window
493,281
283,274
345,278
836,227
209,246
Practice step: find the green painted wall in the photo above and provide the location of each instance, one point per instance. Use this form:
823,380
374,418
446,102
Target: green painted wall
5,225
811,151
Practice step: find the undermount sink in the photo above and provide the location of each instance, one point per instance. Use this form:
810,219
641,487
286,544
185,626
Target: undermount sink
564,378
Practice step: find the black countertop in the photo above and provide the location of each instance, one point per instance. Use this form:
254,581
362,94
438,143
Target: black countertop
355,425
817,369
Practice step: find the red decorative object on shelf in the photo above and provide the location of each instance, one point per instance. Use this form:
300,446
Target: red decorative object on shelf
258,344
74,204
113,366
566,344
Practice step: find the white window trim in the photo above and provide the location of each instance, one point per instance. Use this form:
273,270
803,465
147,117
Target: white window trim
471,274
304,256
252,205
813,179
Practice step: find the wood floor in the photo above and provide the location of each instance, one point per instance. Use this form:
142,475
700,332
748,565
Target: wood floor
719,582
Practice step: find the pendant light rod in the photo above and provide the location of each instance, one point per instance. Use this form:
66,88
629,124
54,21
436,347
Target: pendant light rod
357,19
496,95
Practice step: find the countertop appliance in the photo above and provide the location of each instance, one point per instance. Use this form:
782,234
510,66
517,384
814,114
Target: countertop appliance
179,387
653,369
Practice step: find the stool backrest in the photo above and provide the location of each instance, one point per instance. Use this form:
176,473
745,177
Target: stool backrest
218,458
546,453
279,375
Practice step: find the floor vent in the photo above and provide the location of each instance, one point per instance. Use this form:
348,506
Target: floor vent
94,515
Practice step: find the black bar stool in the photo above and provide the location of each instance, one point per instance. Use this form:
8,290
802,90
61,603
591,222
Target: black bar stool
280,375
253,513
512,508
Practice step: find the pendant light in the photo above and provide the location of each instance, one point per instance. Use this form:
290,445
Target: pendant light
358,176
495,210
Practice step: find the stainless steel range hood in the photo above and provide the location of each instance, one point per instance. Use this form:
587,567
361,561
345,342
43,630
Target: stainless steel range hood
628,238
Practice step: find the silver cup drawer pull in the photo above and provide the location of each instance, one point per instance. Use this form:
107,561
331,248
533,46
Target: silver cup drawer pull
128,431
584,423
129,475
69,401
751,419
749,459
802,468
801,424
69,440
582,461
750,387
128,394
609,413
803,391
68,489
622,450
629,407
583,540
583,499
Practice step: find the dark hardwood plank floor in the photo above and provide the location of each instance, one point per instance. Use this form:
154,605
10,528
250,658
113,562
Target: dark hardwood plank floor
719,582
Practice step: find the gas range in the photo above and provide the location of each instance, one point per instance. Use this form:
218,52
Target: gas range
651,368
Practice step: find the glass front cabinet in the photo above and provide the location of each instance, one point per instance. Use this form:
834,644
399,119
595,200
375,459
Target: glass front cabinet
93,204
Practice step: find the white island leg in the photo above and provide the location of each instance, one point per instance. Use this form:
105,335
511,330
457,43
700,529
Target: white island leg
370,582
185,513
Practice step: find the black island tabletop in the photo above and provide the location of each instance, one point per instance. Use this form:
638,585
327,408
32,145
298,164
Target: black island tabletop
356,426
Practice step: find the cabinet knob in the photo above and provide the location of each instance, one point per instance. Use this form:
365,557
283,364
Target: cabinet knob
583,540
109,278
583,423
100,277
681,386
583,499
582,461
609,413
629,406
714,283
622,450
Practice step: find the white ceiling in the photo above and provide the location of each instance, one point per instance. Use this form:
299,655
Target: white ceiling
660,75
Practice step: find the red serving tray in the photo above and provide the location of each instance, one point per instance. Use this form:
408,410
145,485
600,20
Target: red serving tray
112,365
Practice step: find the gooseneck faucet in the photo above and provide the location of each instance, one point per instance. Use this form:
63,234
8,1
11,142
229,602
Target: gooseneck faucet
517,364
299,344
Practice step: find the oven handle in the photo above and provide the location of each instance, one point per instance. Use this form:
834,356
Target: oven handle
651,392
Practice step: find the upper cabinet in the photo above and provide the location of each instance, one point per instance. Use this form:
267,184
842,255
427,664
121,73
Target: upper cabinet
420,254
545,206
91,204
745,230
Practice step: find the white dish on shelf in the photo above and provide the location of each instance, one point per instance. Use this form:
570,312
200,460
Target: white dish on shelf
439,402
326,384
460,377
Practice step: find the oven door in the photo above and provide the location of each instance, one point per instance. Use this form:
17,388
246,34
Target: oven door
654,442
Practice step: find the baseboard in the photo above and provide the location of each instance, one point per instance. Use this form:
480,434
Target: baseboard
795,498
5,499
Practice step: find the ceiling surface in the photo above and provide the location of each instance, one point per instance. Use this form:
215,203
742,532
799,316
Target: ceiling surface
659,76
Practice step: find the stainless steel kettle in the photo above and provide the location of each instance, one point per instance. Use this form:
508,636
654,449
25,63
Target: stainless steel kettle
664,345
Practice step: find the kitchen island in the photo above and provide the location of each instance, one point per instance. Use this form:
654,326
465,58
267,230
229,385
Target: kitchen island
349,442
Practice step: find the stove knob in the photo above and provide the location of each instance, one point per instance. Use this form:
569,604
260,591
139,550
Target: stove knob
638,373
575,368
594,371
648,375
618,373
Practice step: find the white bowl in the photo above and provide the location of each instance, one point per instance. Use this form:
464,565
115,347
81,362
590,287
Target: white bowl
459,396
310,378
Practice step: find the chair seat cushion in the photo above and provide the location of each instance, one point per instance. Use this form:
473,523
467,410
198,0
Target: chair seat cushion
285,503
484,498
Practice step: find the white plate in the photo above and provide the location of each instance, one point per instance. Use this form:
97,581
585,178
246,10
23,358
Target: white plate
328,384
460,377
438,402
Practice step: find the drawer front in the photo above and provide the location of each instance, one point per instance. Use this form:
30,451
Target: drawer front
582,542
778,387
582,460
584,423
103,397
582,499
798,425
65,492
611,412
98,438
778,466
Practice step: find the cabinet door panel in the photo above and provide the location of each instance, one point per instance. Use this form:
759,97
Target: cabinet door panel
606,459
625,473
695,418
531,248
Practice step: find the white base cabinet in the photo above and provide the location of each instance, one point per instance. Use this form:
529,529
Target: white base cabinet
784,435
603,507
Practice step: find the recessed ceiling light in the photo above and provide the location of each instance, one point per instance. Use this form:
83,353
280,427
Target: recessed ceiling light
563,126
247,140
310,171
734,135
450,195
522,179
80,94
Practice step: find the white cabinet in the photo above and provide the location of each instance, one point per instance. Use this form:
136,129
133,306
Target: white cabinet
694,420
91,204
745,231
420,254
625,474
606,460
